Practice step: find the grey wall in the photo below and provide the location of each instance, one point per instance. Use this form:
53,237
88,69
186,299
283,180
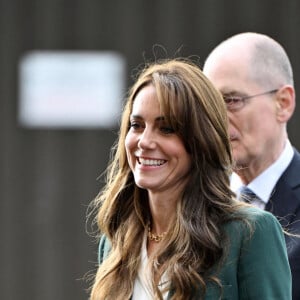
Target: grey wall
48,177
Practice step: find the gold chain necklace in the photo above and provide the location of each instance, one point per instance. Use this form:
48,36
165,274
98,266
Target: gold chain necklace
155,237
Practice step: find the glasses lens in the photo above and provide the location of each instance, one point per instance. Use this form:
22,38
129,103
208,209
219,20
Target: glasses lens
233,102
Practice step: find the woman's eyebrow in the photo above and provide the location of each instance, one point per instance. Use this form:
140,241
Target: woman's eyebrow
159,118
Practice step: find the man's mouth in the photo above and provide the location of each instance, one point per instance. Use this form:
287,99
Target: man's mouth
233,137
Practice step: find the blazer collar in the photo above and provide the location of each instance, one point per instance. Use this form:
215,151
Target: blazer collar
285,198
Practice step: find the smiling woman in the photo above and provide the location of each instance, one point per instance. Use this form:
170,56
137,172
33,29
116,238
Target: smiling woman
156,154
170,226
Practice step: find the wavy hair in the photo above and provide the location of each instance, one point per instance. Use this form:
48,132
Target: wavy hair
196,111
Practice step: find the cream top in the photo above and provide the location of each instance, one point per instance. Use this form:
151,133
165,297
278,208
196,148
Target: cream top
142,286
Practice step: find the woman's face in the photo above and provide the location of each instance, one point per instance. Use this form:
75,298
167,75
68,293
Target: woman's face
156,155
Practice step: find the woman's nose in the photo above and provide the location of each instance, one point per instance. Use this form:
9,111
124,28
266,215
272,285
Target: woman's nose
147,139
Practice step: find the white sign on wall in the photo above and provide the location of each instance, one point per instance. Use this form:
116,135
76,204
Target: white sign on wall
71,89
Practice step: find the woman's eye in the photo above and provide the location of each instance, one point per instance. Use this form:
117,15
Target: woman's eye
134,125
167,130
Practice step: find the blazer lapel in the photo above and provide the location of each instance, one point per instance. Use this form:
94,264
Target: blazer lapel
285,199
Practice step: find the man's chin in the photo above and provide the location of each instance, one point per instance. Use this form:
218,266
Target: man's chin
239,162
239,165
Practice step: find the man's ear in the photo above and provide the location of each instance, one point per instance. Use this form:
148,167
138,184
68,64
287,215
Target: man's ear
286,103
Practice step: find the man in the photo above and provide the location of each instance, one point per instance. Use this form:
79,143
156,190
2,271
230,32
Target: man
254,74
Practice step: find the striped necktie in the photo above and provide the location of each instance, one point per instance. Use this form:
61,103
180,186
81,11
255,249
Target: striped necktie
247,195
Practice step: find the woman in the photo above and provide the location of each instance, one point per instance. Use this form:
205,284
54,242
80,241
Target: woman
171,226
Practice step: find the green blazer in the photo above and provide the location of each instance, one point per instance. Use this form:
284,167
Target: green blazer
256,265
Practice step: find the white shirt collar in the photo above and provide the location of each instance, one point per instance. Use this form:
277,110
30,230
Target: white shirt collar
264,184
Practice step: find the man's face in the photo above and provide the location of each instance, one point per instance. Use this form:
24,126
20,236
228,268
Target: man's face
253,128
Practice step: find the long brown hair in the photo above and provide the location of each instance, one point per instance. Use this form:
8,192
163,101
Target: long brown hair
196,111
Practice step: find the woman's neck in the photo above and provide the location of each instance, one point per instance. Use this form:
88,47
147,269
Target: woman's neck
163,209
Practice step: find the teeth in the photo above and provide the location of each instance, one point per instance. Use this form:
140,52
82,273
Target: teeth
151,162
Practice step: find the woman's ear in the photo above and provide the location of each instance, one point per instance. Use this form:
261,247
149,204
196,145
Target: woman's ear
285,100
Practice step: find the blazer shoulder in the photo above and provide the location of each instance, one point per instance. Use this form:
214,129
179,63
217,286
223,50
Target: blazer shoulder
253,217
260,216
253,225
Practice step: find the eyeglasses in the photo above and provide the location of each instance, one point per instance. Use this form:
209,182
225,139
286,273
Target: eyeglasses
234,103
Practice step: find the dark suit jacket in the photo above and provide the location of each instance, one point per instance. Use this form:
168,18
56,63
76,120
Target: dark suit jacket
285,205
256,265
